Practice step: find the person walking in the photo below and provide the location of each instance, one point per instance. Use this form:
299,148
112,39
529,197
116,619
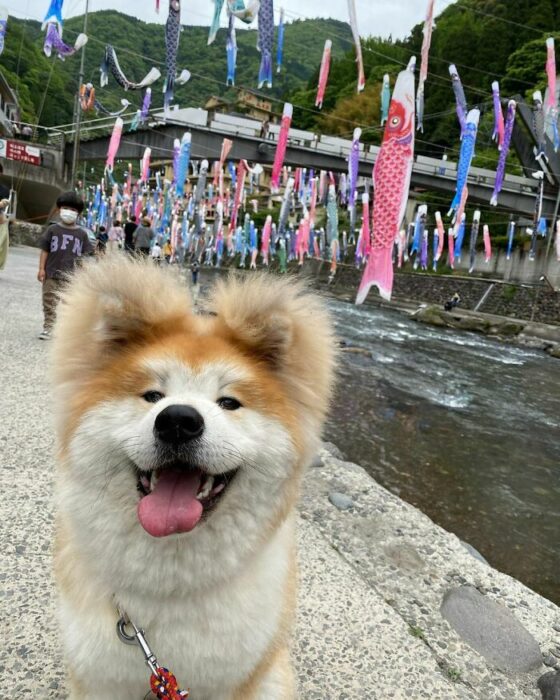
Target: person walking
129,229
195,268
115,237
4,232
62,247
143,237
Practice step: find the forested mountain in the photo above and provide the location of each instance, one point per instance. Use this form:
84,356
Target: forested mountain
486,39
46,86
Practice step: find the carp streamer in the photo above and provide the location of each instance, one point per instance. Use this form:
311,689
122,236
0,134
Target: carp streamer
111,63
357,42
265,41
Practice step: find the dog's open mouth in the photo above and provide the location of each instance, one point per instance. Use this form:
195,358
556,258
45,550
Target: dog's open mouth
175,499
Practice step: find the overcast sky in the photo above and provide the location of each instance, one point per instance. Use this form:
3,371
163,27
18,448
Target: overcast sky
375,17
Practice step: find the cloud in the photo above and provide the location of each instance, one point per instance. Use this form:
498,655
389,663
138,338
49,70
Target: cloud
375,17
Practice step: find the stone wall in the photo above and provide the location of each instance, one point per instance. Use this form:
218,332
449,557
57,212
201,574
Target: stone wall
24,233
532,303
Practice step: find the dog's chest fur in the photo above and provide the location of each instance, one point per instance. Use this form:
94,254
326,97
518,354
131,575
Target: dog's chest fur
209,640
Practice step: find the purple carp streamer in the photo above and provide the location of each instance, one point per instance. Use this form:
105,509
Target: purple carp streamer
3,27
427,31
54,12
353,162
53,41
501,169
218,5
146,103
460,99
231,51
111,63
357,42
265,41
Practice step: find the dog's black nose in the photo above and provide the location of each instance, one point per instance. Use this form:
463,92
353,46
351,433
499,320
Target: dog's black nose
178,423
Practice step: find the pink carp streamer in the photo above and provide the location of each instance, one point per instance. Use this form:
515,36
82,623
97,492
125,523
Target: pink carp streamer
265,242
487,243
451,248
281,147
391,178
441,235
157,5
313,205
226,148
324,74
357,42
145,168
551,73
427,31
114,143
501,169
499,127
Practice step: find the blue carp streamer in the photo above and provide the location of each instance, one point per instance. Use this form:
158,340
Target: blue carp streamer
231,50
280,42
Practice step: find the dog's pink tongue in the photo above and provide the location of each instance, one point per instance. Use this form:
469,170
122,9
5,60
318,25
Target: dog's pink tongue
172,505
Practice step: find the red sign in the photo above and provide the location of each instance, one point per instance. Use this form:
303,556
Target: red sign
15,150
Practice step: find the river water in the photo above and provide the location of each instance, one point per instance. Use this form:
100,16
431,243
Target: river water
463,427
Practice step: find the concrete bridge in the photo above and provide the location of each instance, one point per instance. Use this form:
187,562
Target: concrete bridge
35,172
305,149
38,184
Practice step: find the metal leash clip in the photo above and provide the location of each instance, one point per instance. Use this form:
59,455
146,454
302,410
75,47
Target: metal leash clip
138,639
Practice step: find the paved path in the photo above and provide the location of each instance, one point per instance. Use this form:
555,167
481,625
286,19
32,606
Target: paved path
363,574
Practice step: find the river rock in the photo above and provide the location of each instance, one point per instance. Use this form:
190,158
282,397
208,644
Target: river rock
549,685
341,500
333,450
431,315
491,629
474,552
554,351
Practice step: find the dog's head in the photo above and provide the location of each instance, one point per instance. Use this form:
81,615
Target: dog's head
178,424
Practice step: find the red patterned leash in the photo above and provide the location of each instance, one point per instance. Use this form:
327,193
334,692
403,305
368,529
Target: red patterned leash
162,682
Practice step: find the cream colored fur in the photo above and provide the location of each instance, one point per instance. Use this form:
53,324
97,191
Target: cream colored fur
216,603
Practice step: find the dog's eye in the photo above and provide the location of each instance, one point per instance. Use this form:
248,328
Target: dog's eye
229,404
153,396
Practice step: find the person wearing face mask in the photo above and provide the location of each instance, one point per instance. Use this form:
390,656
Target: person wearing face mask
62,245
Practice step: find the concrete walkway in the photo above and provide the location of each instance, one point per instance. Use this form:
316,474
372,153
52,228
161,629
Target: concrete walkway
391,606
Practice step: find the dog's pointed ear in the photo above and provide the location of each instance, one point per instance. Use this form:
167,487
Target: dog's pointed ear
109,303
279,322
